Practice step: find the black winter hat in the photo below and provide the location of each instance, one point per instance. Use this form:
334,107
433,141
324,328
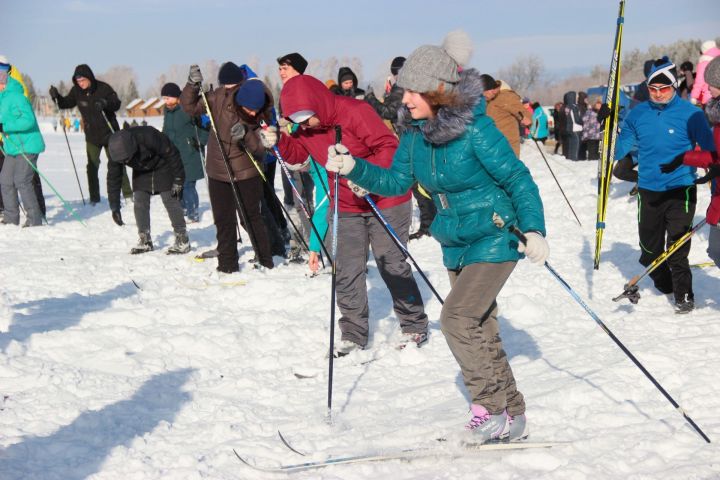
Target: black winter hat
230,74
488,82
170,90
396,65
295,60
122,146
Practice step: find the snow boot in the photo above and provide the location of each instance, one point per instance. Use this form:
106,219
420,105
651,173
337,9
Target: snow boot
181,245
144,244
345,348
486,427
686,305
518,428
417,339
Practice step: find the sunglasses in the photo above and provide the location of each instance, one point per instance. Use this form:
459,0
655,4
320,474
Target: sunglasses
662,89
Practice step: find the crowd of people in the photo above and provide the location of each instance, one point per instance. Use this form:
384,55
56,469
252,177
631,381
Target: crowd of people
443,133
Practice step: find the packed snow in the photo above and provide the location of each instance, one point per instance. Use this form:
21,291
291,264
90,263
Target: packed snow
155,367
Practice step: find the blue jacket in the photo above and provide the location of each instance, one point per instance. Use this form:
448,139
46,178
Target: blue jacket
471,172
19,123
539,127
660,133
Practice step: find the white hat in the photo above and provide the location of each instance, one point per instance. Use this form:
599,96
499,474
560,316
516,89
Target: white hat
301,116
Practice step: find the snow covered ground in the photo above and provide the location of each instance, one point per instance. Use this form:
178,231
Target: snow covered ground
100,379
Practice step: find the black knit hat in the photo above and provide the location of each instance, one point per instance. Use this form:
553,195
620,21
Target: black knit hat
295,60
170,90
396,65
230,74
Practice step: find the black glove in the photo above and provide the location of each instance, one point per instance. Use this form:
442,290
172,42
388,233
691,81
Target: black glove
603,113
100,103
117,217
194,75
176,190
672,166
1,128
237,132
54,94
713,171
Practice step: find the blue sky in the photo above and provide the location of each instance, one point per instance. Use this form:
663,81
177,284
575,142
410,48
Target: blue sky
46,39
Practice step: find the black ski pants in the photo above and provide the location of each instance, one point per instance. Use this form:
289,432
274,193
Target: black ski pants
664,217
225,213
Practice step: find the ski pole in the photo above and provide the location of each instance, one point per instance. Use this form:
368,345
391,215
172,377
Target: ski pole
65,204
338,139
617,341
112,130
226,161
556,181
202,153
388,228
72,159
631,289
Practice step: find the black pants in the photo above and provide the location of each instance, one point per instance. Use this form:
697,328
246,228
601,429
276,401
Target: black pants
593,149
426,207
225,213
271,198
664,217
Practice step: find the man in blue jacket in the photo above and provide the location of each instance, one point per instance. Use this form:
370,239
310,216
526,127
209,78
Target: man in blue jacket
661,129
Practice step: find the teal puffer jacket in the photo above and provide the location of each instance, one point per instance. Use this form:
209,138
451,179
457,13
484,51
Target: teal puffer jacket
19,123
471,172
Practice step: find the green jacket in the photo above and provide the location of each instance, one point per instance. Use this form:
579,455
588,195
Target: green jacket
319,218
471,173
20,128
183,133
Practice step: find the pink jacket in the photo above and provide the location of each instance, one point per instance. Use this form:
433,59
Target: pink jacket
700,91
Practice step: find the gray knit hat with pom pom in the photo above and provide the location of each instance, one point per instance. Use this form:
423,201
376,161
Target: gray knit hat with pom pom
429,66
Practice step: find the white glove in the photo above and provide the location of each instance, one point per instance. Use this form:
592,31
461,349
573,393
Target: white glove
269,136
357,189
237,132
339,159
537,249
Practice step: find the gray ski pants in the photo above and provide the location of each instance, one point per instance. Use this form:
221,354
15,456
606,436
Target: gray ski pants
16,177
357,232
141,201
469,323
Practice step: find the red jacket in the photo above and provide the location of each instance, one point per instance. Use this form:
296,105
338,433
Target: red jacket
703,159
363,133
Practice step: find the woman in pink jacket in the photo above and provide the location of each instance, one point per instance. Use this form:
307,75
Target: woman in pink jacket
700,94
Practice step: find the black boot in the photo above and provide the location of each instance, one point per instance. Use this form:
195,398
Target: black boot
144,244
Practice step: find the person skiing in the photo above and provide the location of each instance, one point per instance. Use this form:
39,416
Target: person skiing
244,178
22,143
157,170
307,102
707,159
97,102
661,129
478,180
189,139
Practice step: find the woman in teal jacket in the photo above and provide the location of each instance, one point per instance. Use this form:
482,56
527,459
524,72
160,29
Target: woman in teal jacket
457,154
22,144
539,126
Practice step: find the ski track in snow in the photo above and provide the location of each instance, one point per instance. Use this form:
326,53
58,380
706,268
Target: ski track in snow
101,380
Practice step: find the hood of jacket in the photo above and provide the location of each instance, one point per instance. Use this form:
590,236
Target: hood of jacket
345,71
122,146
12,86
569,99
305,92
85,71
450,121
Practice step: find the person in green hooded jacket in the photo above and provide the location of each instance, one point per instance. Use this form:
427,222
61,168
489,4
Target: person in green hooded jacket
454,150
190,139
22,143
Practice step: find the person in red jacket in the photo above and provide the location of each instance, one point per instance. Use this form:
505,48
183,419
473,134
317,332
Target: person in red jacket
306,101
708,160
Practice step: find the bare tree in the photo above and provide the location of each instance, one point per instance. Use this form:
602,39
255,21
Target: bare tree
523,74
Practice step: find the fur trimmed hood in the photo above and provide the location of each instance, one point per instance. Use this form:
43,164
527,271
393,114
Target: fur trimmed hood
452,121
